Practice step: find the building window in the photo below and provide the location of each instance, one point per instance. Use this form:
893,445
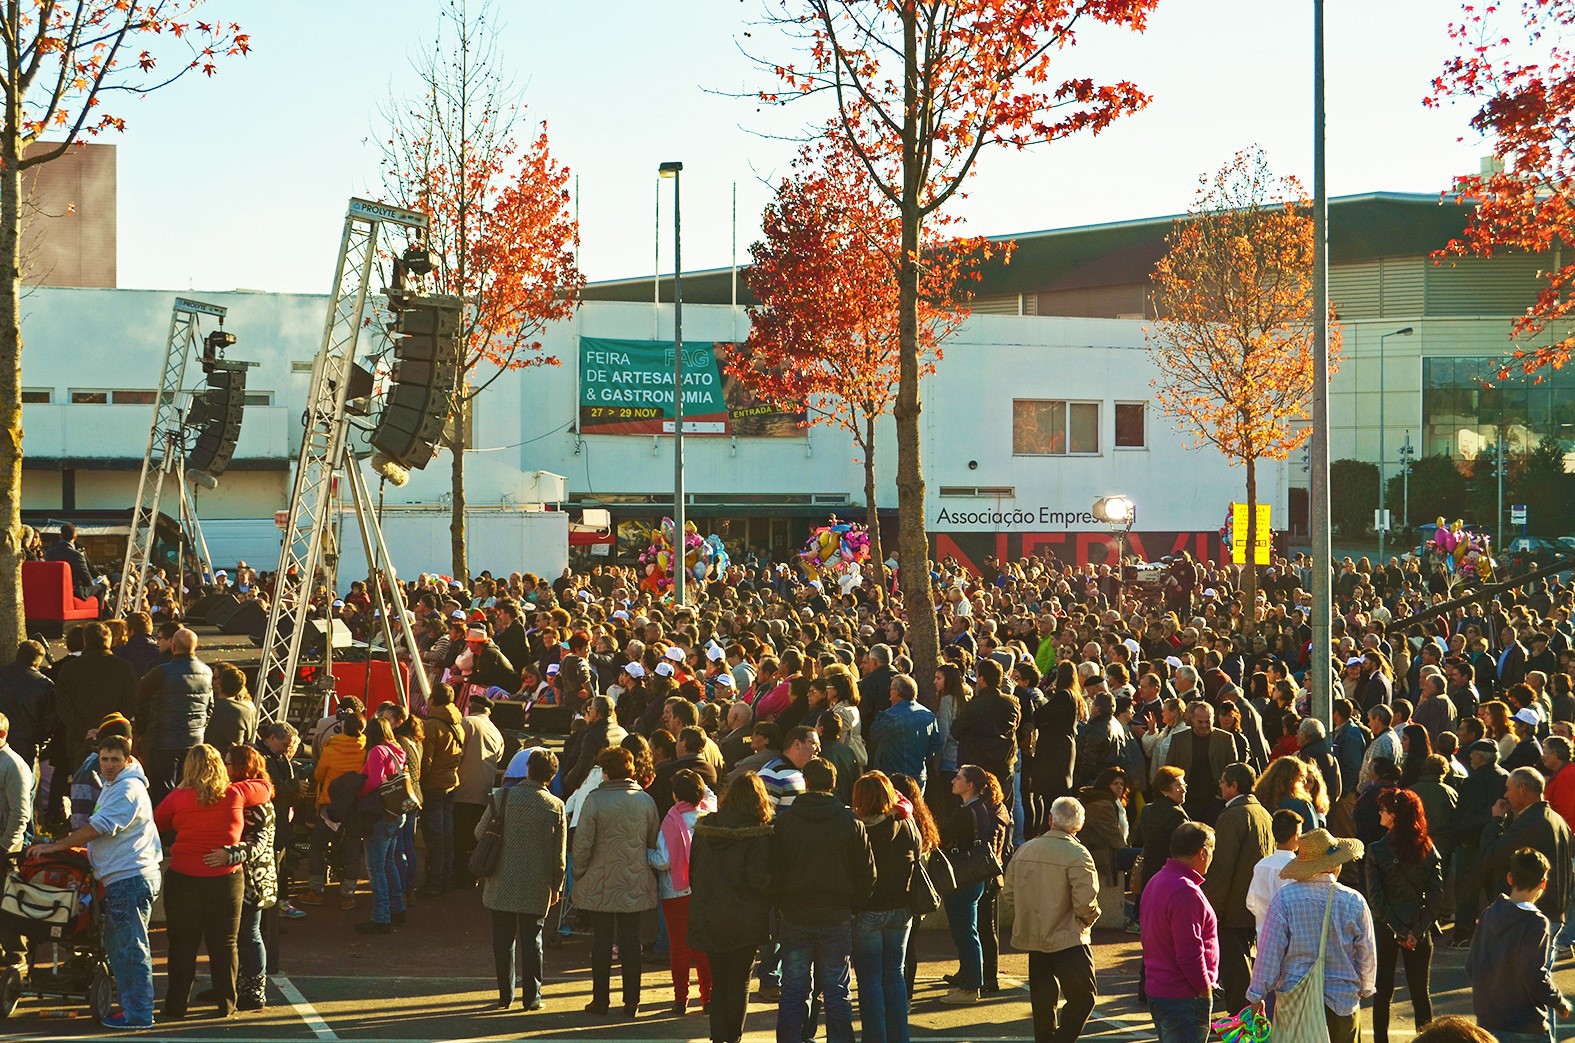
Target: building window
1131,425
1466,407
259,398
83,397
128,397
38,396
1054,427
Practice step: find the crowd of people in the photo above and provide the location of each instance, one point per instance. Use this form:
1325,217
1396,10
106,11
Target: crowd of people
763,781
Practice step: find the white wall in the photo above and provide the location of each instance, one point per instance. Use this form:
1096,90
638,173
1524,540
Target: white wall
524,422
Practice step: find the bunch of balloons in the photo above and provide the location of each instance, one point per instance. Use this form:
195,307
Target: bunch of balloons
1464,554
704,558
1246,1027
835,551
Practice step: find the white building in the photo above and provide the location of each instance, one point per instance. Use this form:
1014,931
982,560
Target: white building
1041,404
92,360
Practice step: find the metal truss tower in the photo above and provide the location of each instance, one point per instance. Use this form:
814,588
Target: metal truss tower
165,457
308,560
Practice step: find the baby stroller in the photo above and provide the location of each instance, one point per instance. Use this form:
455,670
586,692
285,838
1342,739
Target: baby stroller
54,902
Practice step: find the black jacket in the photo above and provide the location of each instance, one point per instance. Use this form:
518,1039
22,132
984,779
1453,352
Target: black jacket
1156,826
181,706
661,788
82,574
1322,757
820,861
1406,897
1538,827
986,733
1510,987
1479,791
511,644
27,698
1098,747
89,687
730,882
1055,746
894,842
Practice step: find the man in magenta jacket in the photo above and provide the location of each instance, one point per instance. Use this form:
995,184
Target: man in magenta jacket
1181,949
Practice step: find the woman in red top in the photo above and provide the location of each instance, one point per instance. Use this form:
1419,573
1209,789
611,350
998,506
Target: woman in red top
385,758
202,903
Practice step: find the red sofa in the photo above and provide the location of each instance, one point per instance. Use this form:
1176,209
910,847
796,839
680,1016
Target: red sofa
47,596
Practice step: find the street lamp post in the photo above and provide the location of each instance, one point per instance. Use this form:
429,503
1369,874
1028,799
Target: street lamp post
674,170
1383,529
1407,454
1118,512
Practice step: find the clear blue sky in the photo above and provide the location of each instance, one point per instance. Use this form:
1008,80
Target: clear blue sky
240,181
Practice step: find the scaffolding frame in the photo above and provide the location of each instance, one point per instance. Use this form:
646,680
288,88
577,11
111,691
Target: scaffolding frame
308,562
164,457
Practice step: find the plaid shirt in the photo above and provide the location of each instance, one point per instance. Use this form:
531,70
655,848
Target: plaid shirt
1288,945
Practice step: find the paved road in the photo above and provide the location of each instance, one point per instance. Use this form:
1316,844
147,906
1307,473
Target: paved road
430,980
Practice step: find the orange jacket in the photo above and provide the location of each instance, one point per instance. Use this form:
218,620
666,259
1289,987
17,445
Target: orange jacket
340,754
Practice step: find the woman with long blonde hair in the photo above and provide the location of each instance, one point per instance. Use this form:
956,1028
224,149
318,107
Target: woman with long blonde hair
202,902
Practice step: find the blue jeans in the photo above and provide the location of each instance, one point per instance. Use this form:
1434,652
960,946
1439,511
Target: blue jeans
405,854
1566,934
880,944
827,951
1181,1021
381,872
1019,819
962,916
437,825
128,904
771,963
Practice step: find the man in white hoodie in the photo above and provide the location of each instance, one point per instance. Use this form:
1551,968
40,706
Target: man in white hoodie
123,847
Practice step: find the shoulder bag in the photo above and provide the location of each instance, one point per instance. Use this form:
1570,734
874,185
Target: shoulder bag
488,855
939,870
976,863
1298,1011
399,795
923,898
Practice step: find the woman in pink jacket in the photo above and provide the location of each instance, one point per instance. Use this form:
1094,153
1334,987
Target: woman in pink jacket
671,861
385,758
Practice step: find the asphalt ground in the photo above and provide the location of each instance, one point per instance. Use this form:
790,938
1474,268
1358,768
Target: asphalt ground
432,979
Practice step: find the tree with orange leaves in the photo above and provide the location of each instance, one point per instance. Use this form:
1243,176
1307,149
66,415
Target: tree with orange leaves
1517,67
500,225
62,65
921,88
824,337
1233,342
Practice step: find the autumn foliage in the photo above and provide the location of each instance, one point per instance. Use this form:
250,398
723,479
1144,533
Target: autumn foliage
1234,339
500,222
825,336
1515,66
921,88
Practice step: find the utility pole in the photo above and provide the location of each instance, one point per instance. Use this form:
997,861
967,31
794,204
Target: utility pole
1407,454
1322,695
1499,469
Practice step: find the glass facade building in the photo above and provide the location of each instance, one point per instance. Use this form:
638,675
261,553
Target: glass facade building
1466,407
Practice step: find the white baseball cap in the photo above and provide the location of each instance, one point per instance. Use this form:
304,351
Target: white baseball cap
634,670
674,653
664,669
725,681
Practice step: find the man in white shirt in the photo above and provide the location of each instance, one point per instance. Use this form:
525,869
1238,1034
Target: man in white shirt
1266,882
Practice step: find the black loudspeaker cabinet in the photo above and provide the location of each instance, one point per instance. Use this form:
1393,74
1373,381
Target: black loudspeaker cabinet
220,613
200,610
220,415
248,618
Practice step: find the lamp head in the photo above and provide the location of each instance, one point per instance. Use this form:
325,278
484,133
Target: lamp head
670,169
1114,510
1403,333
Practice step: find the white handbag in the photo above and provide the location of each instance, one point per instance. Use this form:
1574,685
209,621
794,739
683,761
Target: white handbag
1299,1011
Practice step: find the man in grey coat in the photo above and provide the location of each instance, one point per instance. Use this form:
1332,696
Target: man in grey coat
529,876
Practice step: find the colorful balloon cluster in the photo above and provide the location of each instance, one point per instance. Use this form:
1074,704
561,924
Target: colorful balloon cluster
704,558
1246,1027
835,549
1463,553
